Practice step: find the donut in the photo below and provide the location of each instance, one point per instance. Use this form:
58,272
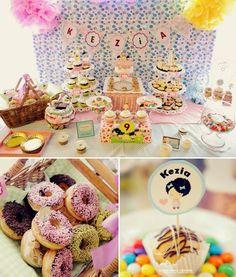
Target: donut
97,221
46,194
31,250
63,181
57,263
15,220
82,202
85,238
52,229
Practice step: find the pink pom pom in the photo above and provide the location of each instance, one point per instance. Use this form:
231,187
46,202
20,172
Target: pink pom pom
36,12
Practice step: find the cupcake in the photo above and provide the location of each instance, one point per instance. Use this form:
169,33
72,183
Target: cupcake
70,67
81,146
85,63
77,64
71,83
63,138
73,77
84,84
142,116
91,79
110,116
125,115
176,251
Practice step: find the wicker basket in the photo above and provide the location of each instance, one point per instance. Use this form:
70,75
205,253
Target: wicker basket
24,114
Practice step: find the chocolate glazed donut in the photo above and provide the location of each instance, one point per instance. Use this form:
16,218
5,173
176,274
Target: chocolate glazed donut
63,181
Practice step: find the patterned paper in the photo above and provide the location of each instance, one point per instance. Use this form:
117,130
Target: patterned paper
113,16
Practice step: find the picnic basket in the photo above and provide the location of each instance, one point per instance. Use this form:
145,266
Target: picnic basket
24,114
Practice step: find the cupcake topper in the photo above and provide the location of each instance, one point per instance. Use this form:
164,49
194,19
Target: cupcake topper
176,187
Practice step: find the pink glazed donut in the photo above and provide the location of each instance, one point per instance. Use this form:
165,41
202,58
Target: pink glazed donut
52,229
57,263
46,194
82,202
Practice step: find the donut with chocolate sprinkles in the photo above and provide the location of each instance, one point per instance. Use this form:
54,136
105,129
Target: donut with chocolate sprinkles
15,220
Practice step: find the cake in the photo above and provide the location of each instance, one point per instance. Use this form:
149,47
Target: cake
124,65
59,113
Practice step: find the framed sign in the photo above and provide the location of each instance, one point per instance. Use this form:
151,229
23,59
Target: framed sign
174,142
85,128
176,187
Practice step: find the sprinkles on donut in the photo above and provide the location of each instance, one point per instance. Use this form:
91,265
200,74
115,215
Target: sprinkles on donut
15,220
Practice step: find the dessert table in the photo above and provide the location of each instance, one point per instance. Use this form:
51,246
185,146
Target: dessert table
97,149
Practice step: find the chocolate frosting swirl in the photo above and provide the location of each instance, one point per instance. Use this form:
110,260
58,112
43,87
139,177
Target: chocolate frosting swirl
182,241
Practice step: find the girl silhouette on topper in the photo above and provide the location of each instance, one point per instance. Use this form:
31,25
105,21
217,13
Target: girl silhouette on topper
177,189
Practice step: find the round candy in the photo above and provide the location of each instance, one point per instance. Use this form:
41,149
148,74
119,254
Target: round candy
205,274
215,249
138,244
142,259
227,257
190,275
129,258
125,274
218,274
139,251
211,240
148,270
128,249
216,261
207,267
134,268
123,265
227,269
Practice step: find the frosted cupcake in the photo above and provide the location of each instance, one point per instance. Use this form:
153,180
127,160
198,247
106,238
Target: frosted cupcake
176,252
126,115
142,116
110,116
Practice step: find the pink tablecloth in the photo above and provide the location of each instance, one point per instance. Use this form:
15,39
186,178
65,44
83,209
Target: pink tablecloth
191,115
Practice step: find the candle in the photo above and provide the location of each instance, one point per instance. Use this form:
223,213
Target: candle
165,150
186,143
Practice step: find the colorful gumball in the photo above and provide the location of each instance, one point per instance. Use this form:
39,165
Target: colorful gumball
138,244
129,258
216,261
211,240
127,249
190,275
123,265
139,251
215,250
207,267
219,274
227,269
205,274
125,274
148,270
142,259
227,257
134,268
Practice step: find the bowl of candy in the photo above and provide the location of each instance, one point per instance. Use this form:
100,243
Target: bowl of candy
218,121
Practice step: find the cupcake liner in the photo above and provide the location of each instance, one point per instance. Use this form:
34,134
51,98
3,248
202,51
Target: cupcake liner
187,264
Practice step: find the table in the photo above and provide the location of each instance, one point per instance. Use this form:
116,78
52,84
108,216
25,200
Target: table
98,149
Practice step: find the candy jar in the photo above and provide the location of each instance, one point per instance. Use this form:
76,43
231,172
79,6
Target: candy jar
217,120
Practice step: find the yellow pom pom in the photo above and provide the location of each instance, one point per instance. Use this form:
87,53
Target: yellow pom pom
205,14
